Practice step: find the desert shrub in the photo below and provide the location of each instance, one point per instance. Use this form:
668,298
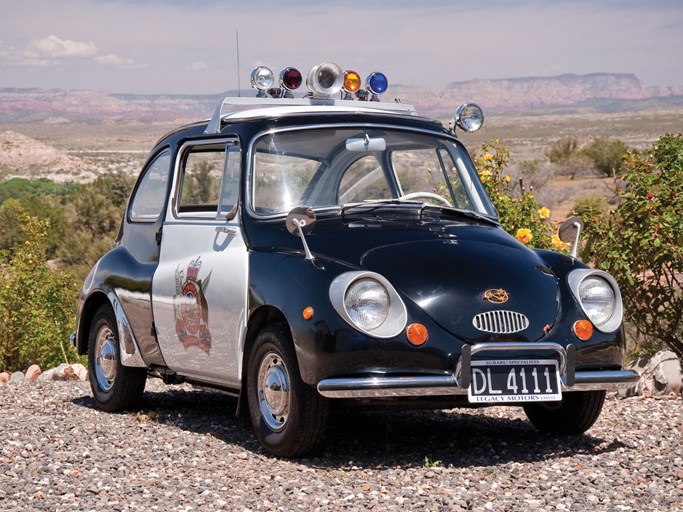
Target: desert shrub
19,187
49,208
563,150
641,242
592,205
606,155
520,214
37,303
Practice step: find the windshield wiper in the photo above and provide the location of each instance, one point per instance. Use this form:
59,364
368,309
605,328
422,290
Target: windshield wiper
460,213
372,204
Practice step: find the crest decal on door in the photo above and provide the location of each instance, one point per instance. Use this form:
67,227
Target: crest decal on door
191,308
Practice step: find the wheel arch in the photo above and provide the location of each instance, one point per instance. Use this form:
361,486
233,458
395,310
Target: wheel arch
258,320
93,303
129,349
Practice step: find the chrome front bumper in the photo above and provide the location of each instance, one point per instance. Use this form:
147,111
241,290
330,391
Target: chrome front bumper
459,382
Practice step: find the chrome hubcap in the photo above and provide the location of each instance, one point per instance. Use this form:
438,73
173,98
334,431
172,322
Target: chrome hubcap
273,391
105,359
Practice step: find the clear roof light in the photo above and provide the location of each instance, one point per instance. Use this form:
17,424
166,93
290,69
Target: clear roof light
325,79
262,78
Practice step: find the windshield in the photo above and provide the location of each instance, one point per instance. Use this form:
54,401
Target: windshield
335,167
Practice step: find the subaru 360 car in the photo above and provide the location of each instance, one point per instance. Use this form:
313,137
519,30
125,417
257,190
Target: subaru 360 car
332,249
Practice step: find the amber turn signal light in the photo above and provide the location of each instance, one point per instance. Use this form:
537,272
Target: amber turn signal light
417,334
308,313
583,329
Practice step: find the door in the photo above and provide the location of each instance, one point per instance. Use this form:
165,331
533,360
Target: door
200,286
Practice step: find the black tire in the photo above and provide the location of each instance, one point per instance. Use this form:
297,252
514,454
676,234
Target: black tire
576,413
115,387
289,416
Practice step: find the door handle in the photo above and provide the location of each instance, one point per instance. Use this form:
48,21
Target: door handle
228,230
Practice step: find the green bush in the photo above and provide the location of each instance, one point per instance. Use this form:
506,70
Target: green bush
37,303
588,206
607,155
641,242
19,187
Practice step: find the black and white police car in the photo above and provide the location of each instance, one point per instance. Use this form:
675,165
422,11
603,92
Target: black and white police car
334,248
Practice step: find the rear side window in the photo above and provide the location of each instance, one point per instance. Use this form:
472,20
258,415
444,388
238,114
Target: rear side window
149,197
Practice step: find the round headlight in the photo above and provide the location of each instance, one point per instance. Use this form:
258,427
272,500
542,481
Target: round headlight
367,303
469,117
598,299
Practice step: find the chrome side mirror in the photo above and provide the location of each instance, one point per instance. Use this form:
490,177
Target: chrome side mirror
570,233
299,222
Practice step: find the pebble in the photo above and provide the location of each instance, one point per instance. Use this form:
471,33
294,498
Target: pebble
185,450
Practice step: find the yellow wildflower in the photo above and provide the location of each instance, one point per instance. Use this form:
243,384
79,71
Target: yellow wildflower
524,235
558,244
488,157
544,213
507,178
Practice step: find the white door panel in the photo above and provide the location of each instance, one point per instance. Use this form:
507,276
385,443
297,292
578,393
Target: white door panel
200,294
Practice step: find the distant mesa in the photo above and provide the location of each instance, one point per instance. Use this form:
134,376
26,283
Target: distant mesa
593,92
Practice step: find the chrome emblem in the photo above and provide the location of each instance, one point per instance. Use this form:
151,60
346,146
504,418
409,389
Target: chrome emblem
498,296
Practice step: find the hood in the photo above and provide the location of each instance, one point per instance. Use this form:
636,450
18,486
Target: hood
449,280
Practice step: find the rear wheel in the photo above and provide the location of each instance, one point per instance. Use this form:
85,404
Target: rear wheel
289,416
574,414
115,387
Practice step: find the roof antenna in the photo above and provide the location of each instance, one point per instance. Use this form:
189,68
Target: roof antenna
239,90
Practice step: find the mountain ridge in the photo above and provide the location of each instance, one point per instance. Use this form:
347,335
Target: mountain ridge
594,91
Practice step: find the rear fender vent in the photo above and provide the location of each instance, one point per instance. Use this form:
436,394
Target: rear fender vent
500,322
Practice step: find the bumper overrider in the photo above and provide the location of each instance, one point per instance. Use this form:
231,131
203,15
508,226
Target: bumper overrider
458,382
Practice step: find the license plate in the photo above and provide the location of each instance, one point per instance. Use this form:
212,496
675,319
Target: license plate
506,381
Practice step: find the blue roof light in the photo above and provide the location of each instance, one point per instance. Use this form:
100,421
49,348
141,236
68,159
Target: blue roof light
377,83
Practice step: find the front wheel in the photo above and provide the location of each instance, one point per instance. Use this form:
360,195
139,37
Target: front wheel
289,417
115,387
574,414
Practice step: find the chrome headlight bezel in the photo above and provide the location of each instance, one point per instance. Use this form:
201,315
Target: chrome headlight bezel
396,314
579,277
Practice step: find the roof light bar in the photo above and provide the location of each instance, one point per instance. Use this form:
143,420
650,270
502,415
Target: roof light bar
324,80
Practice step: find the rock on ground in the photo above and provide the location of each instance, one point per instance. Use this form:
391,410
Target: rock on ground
659,375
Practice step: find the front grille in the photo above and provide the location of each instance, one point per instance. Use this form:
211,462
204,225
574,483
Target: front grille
500,322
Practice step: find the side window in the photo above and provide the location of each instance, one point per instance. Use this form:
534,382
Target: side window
363,180
200,181
149,197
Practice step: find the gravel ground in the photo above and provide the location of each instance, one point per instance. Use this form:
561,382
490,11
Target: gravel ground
187,451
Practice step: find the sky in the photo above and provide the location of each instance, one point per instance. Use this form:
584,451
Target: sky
190,46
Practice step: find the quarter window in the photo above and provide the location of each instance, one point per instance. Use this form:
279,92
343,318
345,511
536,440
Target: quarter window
149,197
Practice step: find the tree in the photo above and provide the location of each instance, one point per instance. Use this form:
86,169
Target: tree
641,242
